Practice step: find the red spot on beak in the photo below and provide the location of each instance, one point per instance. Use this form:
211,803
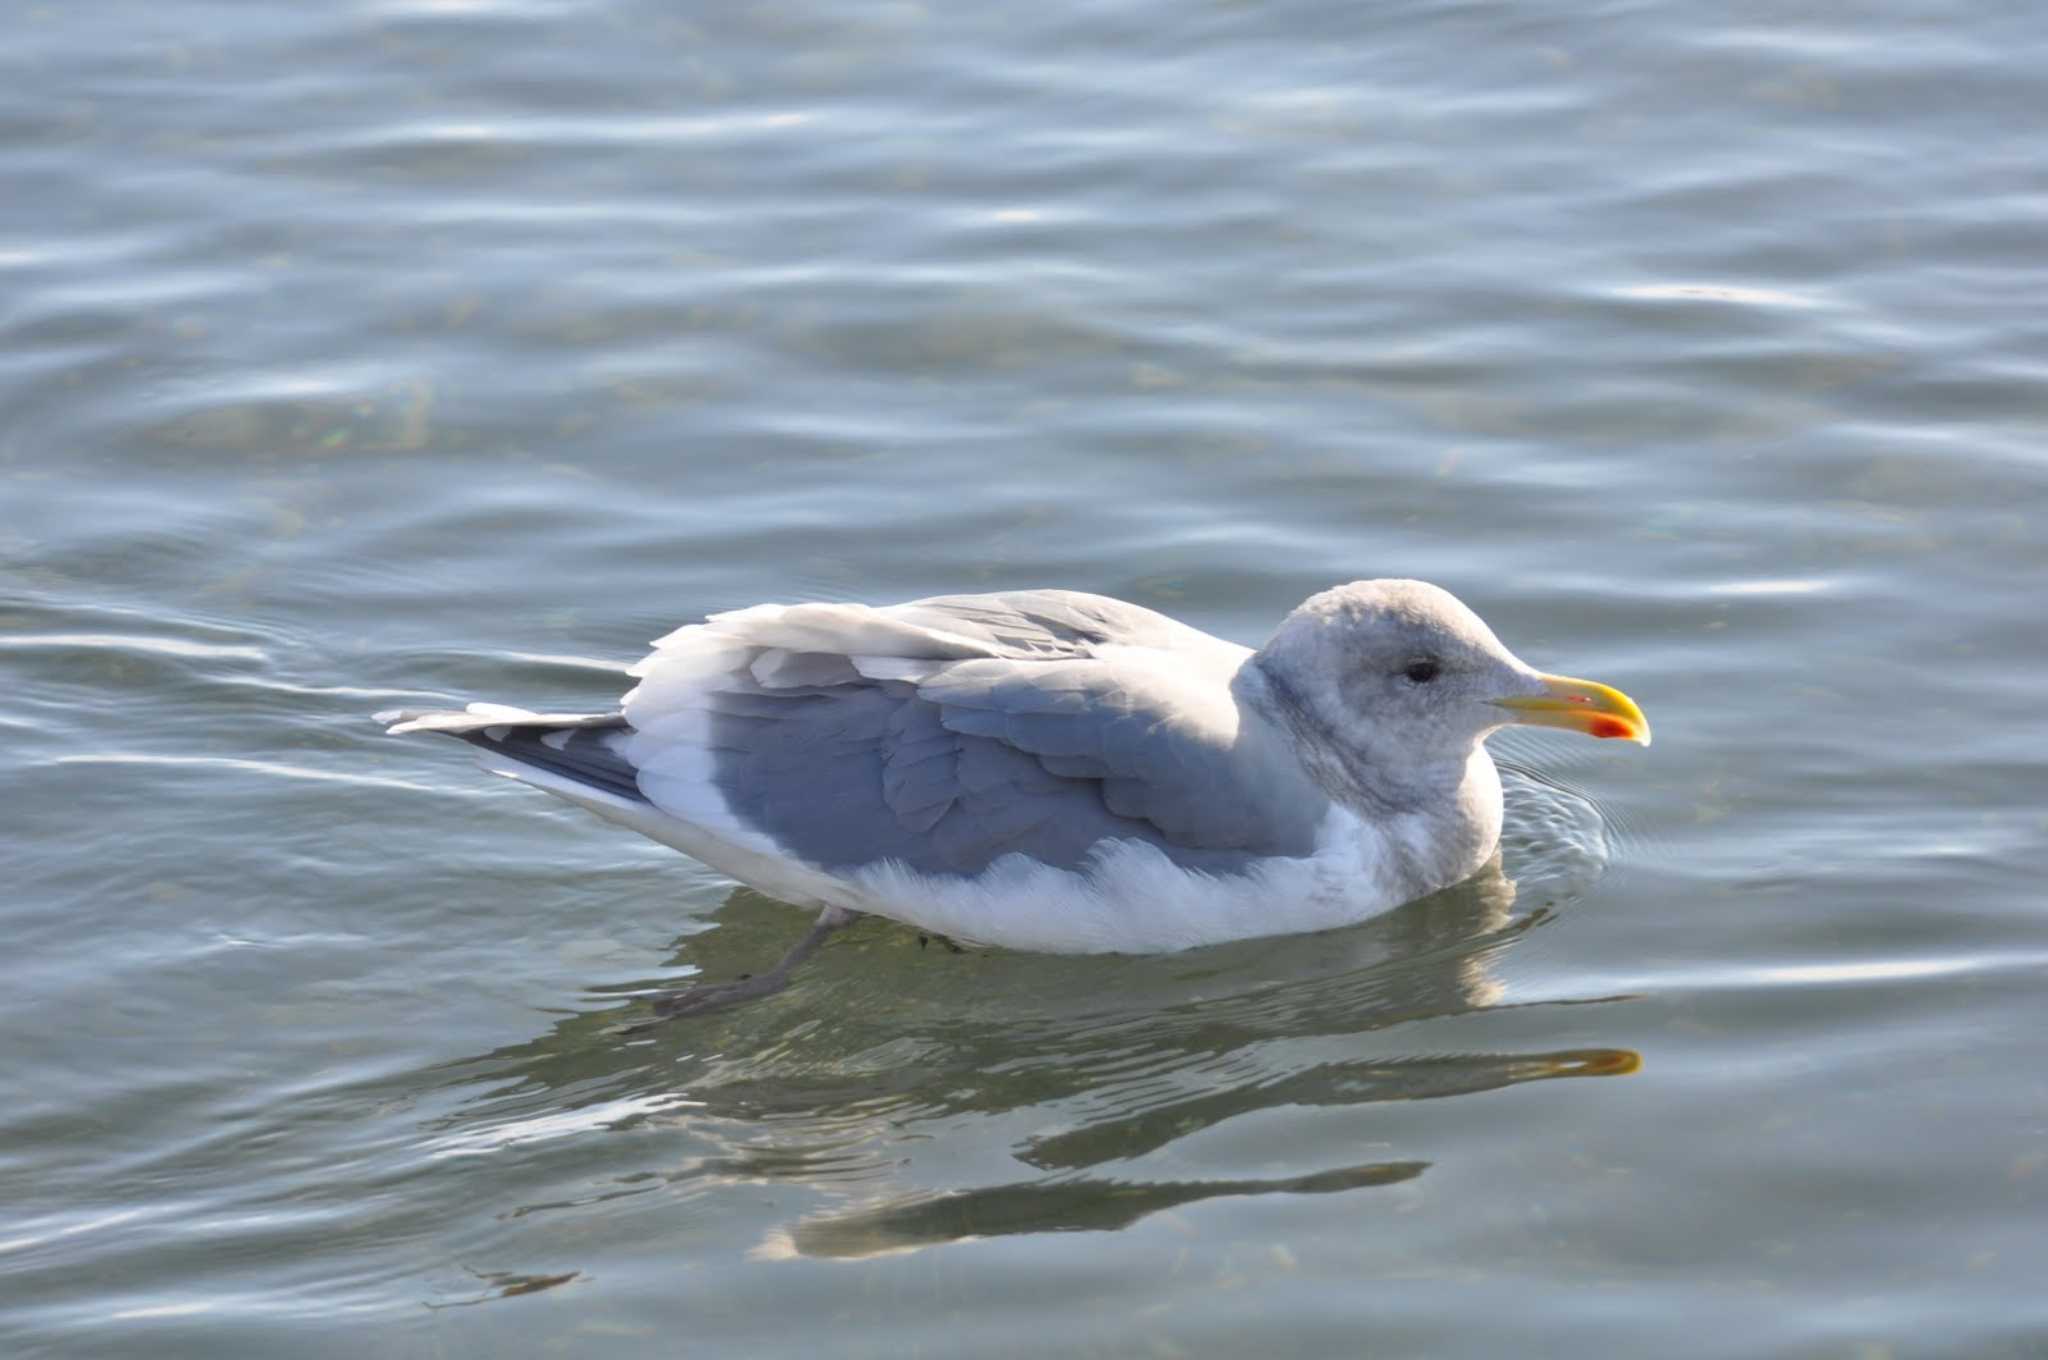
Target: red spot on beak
1610,727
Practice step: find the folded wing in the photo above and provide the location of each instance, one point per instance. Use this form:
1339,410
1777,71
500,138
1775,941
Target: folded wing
949,732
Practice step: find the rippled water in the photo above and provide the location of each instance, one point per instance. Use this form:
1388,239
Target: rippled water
363,355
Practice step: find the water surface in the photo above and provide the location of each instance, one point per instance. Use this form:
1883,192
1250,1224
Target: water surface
367,355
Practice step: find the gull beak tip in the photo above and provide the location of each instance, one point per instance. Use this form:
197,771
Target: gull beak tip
1581,706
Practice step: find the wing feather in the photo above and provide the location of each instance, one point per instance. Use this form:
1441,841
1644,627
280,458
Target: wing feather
949,732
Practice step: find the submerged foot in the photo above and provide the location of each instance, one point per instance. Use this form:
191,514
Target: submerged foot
716,996
708,997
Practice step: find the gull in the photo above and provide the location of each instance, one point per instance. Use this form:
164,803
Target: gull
1055,771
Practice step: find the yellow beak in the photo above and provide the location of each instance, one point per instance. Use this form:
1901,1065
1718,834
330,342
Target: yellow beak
1583,706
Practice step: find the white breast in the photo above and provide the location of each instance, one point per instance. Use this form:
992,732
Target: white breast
1132,899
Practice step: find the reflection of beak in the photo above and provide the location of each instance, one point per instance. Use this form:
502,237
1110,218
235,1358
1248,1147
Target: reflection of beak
1583,706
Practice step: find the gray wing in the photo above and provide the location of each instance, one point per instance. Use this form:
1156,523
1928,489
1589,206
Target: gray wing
949,732
1041,623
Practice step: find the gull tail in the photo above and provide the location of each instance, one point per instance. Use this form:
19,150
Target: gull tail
565,753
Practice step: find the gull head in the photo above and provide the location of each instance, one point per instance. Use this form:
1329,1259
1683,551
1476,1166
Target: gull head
1403,677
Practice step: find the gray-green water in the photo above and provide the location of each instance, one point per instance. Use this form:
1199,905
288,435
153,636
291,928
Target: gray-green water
368,354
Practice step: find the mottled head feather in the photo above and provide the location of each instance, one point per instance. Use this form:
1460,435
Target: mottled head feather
1346,664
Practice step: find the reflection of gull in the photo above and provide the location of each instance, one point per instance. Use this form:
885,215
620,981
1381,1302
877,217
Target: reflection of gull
1037,1206
1076,1066
1353,1083
1159,1071
1059,772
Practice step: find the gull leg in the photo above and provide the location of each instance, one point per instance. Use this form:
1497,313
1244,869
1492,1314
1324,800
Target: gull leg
717,996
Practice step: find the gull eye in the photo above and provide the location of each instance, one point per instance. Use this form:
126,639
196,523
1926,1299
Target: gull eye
1421,671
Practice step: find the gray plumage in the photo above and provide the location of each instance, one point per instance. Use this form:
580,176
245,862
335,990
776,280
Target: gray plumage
992,731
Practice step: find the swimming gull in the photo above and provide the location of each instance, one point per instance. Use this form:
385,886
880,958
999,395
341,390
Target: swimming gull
1048,770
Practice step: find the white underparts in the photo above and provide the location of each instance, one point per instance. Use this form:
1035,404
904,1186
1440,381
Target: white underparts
1130,898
